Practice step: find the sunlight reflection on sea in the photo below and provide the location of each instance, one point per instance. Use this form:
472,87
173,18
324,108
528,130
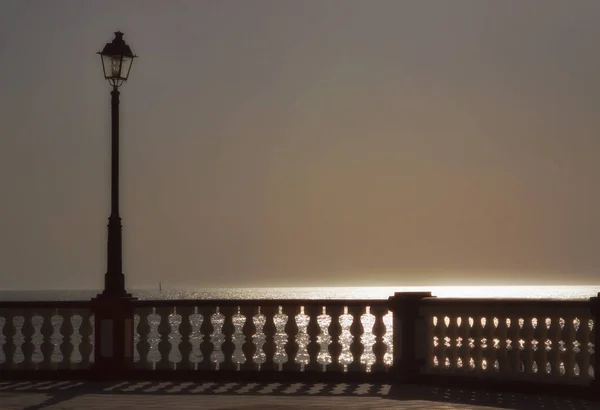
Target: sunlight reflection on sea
530,292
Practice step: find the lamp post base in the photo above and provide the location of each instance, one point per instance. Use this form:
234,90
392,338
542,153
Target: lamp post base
113,308
113,333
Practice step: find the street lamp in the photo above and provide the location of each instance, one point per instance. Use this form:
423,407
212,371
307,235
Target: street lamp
117,60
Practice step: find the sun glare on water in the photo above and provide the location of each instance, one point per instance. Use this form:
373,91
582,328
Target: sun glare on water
535,292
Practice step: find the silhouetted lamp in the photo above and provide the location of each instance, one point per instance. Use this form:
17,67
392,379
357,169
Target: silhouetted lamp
113,308
117,60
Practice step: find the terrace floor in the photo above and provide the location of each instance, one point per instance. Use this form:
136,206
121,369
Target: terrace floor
265,396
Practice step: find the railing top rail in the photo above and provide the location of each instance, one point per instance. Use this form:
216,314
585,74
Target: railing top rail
260,302
46,304
499,302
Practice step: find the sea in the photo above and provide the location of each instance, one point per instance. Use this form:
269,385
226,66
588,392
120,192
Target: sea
528,292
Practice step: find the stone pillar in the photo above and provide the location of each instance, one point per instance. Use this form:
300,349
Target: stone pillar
409,335
113,342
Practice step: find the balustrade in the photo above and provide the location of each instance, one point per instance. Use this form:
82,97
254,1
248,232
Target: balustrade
542,341
46,335
325,336
481,339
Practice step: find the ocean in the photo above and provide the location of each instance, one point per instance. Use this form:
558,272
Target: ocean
530,292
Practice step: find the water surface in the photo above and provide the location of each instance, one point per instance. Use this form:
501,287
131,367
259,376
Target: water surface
530,292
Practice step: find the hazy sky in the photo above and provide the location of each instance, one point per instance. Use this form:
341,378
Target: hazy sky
303,142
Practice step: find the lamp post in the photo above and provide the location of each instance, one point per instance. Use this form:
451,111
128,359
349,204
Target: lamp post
117,60
113,308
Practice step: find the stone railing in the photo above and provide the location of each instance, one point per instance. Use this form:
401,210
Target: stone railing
411,337
46,335
521,340
277,335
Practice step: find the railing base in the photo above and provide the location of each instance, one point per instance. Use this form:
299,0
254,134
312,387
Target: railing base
196,375
42,375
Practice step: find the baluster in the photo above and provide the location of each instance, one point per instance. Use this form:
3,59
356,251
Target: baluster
185,331
217,338
143,330
50,338
324,339
249,331
435,323
228,346
9,333
460,341
368,339
449,341
28,347
489,335
15,327
269,331
583,357
163,346
540,335
74,359
291,330
444,353
33,356
561,346
302,339
26,333
550,344
521,344
502,352
313,311
33,339
335,331
18,321
356,347
136,337
481,344
388,338
196,338
238,339
87,343
513,352
468,342
572,326
553,336
527,352
175,338
345,357
154,338
206,329
259,339
50,343
93,337
379,348
281,339
66,346
56,338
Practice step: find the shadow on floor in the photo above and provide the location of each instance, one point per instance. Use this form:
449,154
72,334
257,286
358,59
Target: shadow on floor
412,396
